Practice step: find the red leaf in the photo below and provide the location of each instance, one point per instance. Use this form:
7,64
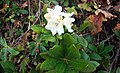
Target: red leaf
96,23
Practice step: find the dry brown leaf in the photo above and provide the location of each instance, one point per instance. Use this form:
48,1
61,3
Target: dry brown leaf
117,8
96,23
17,23
25,4
107,14
5,6
117,27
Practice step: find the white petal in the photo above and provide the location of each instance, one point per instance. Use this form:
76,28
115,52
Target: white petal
47,16
60,29
58,8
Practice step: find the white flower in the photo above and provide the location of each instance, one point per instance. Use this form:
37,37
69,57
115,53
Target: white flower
56,19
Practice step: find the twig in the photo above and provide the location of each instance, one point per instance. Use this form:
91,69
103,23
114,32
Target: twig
116,58
37,15
108,38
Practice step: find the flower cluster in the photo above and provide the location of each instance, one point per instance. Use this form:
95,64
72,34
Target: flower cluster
56,19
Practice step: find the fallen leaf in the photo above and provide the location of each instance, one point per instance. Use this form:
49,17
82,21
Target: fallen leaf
85,6
96,23
25,4
5,6
117,27
117,8
107,14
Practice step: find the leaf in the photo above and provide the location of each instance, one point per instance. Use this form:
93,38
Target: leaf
8,66
12,51
48,37
3,54
117,27
102,71
42,49
96,64
49,64
85,24
67,40
92,47
84,55
69,70
82,65
32,48
118,70
101,46
60,67
23,64
82,41
3,42
106,14
25,4
96,23
56,52
85,6
72,53
37,29
23,11
117,7
107,49
117,33
95,56
66,3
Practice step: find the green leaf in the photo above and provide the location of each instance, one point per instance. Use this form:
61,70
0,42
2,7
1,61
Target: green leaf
48,37
117,33
69,70
60,68
107,49
55,2
101,46
8,66
23,65
3,42
96,64
95,56
42,49
49,64
84,55
23,11
82,65
56,52
102,71
67,40
82,41
89,38
92,47
85,24
12,51
3,54
33,48
37,29
66,3
118,70
72,53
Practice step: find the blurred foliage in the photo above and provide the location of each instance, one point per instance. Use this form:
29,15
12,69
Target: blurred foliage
27,47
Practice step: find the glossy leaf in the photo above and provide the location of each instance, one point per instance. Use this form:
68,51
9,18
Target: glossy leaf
49,64
85,24
56,52
107,49
72,52
92,47
60,67
37,29
82,41
67,40
82,65
95,56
